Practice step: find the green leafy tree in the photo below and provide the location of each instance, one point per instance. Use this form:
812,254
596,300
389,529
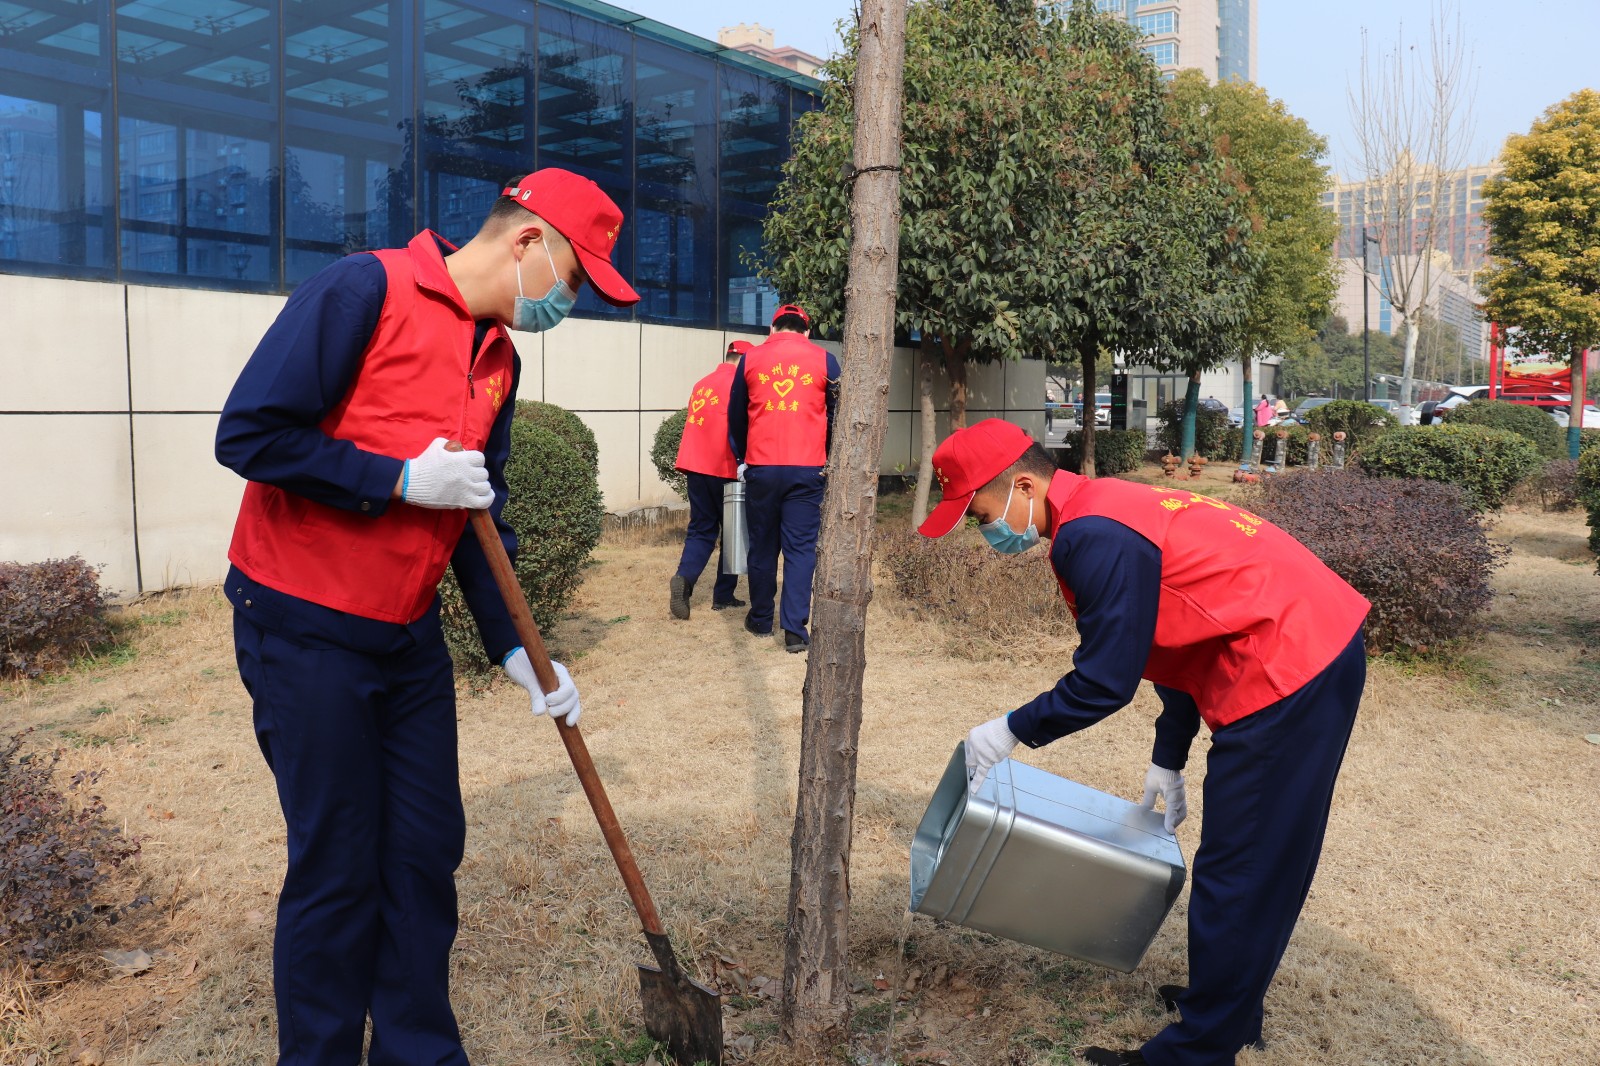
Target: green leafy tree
1277,157
1544,237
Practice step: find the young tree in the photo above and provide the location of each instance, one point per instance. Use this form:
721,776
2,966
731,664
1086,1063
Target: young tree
815,1006
1412,114
1278,158
1544,238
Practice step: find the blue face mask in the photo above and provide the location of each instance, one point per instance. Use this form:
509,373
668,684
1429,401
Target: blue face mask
1002,538
536,316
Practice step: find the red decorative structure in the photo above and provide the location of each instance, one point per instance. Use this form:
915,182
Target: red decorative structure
1529,387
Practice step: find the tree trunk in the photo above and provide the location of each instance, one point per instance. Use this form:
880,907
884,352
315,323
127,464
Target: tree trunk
1580,395
1247,421
815,1015
1191,409
926,372
955,367
1408,367
1088,353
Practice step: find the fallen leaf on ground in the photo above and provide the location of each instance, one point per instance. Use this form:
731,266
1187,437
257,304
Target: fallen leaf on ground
128,963
92,1057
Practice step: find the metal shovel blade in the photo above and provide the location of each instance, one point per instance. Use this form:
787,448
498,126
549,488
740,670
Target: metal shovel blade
681,1013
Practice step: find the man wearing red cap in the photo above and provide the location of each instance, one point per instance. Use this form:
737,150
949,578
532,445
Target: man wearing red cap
354,508
1166,585
780,420
705,456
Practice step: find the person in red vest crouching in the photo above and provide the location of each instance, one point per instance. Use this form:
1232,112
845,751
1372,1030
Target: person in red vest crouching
354,508
1170,586
705,456
780,420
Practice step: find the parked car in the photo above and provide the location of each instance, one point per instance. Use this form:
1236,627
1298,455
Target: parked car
1102,409
1301,414
1563,416
1236,417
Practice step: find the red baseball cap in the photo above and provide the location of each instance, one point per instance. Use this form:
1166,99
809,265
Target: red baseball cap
967,461
791,309
739,347
586,217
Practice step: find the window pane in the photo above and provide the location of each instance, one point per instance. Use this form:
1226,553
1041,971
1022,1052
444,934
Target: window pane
347,183
1160,22
754,144
52,184
218,46
585,113
676,172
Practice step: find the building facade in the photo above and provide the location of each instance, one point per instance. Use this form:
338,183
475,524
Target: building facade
1459,230
171,169
1452,301
1215,37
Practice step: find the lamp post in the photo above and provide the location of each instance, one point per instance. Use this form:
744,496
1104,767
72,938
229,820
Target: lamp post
1366,328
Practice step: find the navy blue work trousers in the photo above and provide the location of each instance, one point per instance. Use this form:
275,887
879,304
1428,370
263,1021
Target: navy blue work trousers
783,507
357,721
1269,785
705,533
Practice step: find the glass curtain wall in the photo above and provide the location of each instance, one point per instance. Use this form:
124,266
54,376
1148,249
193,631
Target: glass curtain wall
246,144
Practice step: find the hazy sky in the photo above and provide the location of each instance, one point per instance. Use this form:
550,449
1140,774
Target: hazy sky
1529,53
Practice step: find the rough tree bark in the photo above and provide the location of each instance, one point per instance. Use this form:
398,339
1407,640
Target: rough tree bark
815,1014
926,373
1088,353
955,368
1247,423
1191,412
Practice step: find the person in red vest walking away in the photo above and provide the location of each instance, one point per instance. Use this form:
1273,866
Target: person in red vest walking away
780,420
705,456
1168,585
354,507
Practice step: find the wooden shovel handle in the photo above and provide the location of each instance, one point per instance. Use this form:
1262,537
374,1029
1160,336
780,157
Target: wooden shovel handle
528,632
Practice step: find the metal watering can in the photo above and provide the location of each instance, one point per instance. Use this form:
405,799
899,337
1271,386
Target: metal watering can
1036,858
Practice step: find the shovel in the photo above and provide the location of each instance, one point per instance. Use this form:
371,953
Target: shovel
683,1014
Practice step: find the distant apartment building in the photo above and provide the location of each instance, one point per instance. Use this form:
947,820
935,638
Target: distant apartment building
1459,231
1452,300
1215,37
756,40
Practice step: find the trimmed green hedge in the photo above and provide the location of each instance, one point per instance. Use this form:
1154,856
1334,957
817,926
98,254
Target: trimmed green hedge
1487,463
1116,451
555,506
1210,429
1361,422
1589,495
1519,418
664,452
566,425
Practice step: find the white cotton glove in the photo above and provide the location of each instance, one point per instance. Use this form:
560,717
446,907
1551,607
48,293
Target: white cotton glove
987,744
1168,784
446,480
563,701
742,468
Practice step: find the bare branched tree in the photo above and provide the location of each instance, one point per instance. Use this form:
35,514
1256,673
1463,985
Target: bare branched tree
1412,116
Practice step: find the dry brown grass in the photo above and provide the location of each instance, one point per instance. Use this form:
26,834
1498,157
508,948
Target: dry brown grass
1454,920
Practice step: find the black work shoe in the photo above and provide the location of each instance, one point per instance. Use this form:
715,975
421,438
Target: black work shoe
725,604
681,591
750,627
794,643
1100,1056
1169,996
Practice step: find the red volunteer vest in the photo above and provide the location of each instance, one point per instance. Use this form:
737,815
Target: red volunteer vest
1247,614
704,448
415,383
787,377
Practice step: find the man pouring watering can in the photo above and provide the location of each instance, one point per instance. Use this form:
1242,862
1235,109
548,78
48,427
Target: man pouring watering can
1166,585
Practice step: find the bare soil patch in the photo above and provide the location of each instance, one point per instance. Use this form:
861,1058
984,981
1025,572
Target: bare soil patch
1453,920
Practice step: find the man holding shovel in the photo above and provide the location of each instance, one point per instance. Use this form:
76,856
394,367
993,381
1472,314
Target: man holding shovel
354,508
705,457
1166,585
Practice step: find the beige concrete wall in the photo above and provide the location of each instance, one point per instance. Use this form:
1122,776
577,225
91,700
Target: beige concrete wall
109,394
